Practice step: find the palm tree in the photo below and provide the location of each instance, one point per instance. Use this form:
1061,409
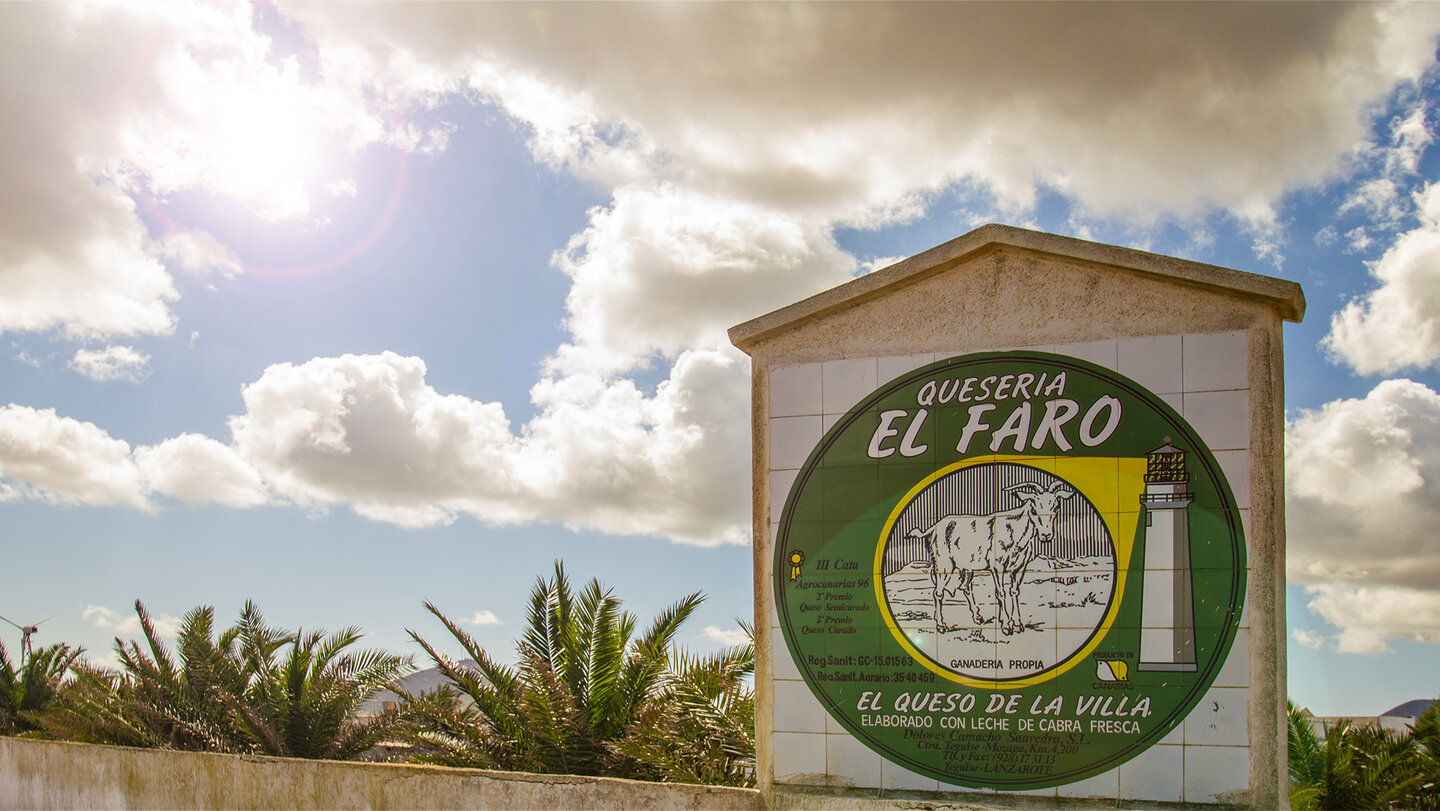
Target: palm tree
585,682
306,705
701,727
155,702
229,693
1307,759
1354,767
1426,737
1369,767
28,690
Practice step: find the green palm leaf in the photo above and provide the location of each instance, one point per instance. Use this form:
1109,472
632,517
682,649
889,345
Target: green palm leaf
589,696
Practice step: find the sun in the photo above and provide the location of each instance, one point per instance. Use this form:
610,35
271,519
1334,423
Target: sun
266,149
238,126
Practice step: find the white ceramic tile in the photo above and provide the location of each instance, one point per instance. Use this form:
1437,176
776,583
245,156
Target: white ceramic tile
1221,417
1157,642
1214,362
1155,775
1159,584
1106,784
1100,353
1222,718
828,422
791,440
799,758
1236,467
797,709
795,390
1154,363
780,659
891,368
1176,736
1175,401
846,382
780,483
899,778
1236,670
852,760
1216,773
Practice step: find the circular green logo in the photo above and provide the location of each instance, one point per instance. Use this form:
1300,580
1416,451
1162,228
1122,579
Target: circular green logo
1010,570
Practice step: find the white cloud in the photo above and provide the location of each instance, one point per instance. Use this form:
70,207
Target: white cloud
111,363
732,636
86,264
1359,240
1309,639
665,270
728,184
198,469
166,626
1368,616
483,618
881,102
199,253
86,271
1410,136
602,456
875,263
1363,487
1384,198
1397,324
369,432
1380,198
47,457
66,461
345,187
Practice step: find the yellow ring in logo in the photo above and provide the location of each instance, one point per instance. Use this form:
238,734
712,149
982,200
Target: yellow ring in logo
1112,485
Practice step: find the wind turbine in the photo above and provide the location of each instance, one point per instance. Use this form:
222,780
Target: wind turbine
25,632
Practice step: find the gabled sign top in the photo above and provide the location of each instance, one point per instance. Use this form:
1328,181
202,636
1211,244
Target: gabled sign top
1284,296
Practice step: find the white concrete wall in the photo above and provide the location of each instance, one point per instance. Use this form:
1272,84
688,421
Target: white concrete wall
48,774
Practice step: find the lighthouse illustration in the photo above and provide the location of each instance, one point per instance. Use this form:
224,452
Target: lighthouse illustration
1167,632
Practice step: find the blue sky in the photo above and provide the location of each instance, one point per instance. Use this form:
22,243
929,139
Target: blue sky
343,308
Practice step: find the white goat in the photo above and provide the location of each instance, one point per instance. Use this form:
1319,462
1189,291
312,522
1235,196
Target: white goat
1002,543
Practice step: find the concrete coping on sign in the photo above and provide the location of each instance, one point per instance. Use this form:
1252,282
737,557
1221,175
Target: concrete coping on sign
1284,296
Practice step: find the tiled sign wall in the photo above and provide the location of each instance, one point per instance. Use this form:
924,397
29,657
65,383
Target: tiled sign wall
1205,379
